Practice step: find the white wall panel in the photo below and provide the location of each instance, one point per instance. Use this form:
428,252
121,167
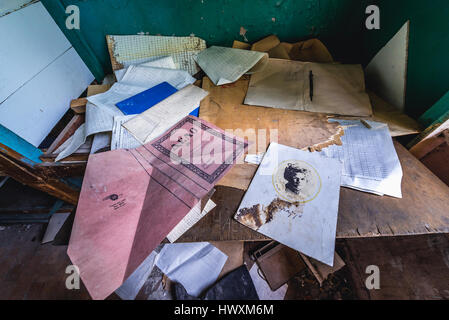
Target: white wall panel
33,110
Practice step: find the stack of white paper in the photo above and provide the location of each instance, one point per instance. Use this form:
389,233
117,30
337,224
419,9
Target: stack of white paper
371,163
101,109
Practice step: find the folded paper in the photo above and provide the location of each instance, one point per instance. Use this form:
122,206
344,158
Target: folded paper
225,65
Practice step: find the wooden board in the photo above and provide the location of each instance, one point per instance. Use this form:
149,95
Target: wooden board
424,209
411,268
224,107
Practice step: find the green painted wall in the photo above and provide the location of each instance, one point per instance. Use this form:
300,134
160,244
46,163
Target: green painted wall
428,63
337,23
340,24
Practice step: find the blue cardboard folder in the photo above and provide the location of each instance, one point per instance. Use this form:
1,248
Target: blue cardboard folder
148,98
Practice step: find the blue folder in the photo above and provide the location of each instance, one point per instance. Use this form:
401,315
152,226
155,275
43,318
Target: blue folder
148,98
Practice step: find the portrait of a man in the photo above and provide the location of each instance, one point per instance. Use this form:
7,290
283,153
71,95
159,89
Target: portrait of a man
296,178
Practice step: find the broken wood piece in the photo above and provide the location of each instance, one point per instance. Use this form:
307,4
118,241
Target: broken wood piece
320,270
97,88
241,45
66,133
78,105
266,44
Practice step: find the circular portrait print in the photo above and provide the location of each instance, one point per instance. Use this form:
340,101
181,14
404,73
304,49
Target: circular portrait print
296,181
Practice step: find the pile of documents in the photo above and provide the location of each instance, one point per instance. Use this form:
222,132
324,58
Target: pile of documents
158,178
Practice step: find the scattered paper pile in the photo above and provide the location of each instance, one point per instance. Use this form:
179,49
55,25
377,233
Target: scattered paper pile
153,185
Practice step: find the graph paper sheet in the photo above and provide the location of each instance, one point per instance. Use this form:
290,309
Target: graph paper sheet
371,163
135,49
226,65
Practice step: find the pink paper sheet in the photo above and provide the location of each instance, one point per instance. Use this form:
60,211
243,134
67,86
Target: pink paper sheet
131,199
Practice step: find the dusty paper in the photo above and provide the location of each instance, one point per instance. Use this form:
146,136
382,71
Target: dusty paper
153,122
371,163
136,49
121,138
195,265
149,77
293,199
131,287
190,220
225,65
285,84
164,62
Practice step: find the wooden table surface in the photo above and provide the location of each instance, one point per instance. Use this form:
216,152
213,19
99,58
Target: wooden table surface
423,209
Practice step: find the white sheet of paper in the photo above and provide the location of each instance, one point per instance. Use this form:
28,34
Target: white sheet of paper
293,199
54,225
164,62
149,77
254,158
225,65
190,220
195,265
263,288
121,138
131,287
101,141
155,121
371,163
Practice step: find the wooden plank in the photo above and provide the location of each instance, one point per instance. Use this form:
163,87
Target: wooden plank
50,158
78,105
410,267
436,161
26,172
436,121
97,88
66,133
224,107
426,146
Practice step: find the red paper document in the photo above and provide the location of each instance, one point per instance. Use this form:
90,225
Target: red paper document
131,199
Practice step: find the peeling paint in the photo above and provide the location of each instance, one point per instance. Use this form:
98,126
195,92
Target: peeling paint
243,33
